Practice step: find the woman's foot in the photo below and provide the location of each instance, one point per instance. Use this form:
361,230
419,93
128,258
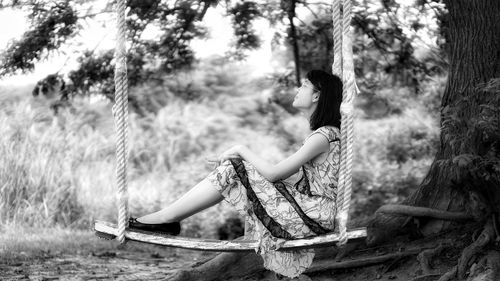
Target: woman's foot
170,228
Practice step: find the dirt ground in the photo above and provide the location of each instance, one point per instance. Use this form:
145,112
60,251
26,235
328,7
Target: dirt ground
125,264
132,265
138,261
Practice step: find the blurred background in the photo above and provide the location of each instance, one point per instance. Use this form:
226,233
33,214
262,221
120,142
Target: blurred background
203,76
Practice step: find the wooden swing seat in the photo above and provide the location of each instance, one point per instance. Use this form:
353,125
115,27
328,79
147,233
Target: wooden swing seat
109,230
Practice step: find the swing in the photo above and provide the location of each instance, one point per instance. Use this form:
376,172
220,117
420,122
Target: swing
343,66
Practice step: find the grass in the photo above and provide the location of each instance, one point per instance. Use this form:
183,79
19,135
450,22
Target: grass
21,241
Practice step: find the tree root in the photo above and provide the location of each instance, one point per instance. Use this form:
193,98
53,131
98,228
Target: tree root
329,264
473,249
221,267
346,250
426,277
422,212
487,268
425,257
449,275
237,265
394,219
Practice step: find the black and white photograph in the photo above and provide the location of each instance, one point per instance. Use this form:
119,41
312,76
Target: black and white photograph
252,140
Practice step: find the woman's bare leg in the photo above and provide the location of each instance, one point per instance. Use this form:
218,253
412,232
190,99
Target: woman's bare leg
198,198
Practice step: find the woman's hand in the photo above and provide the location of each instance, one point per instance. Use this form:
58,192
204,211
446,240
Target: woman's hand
233,152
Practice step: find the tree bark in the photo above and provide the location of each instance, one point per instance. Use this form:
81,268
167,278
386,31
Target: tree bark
473,46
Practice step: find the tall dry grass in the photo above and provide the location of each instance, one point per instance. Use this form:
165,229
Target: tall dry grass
60,170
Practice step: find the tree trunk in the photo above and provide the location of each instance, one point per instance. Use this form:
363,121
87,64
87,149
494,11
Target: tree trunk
473,45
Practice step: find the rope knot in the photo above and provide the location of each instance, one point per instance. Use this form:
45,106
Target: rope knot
342,240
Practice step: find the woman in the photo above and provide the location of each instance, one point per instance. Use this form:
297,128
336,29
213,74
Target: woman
292,199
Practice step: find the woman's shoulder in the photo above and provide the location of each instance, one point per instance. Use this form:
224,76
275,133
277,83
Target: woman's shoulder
332,133
329,128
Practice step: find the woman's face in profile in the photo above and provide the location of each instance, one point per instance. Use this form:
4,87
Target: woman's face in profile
306,95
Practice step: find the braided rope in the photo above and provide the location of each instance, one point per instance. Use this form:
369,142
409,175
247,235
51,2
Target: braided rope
337,70
347,128
120,113
337,38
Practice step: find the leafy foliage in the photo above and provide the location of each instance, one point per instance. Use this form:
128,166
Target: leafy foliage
411,145
484,130
55,22
379,33
316,42
96,73
392,157
388,49
242,16
390,43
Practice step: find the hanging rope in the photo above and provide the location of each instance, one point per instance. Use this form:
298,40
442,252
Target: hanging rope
337,38
120,113
337,70
344,57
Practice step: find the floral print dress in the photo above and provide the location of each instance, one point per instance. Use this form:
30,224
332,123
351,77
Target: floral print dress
302,205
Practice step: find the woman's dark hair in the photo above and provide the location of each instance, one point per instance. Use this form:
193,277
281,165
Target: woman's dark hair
327,112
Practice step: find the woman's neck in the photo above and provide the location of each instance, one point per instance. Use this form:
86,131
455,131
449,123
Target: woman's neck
307,113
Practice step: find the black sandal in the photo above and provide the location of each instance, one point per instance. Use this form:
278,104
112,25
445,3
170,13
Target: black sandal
171,228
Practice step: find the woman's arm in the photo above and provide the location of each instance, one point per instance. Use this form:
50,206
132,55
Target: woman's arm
314,145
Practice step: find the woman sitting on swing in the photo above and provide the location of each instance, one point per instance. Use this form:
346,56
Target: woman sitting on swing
295,198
